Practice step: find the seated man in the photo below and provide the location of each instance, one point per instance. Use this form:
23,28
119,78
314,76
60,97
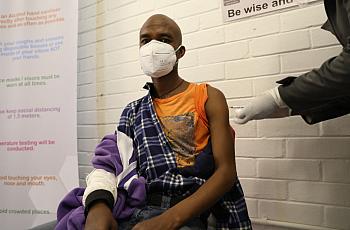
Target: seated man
171,160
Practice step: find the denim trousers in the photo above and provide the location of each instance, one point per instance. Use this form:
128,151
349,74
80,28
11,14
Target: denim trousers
148,212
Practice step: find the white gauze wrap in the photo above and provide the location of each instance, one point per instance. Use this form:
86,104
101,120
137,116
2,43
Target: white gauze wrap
100,179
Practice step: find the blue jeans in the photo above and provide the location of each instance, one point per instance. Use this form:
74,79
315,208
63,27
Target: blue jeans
148,212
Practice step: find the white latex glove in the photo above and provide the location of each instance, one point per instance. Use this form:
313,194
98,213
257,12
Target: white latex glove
267,105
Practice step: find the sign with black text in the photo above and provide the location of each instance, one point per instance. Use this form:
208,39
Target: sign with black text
236,9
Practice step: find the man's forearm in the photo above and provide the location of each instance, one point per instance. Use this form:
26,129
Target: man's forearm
100,217
205,197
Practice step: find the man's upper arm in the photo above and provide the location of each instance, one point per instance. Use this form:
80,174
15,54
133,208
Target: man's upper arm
220,130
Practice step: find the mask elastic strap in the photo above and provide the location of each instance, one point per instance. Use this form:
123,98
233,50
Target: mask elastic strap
177,60
178,48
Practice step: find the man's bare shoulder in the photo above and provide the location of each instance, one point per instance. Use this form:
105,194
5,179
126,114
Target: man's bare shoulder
216,106
215,94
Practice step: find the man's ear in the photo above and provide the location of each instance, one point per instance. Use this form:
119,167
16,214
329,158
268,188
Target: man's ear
181,52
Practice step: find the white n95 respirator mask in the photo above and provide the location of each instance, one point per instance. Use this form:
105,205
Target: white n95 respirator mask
157,58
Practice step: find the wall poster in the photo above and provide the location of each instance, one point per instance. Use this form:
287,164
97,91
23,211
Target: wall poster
38,139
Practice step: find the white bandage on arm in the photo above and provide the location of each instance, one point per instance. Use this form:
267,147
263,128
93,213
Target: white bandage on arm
100,179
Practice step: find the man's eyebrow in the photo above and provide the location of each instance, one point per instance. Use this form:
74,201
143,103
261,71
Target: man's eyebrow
169,35
142,35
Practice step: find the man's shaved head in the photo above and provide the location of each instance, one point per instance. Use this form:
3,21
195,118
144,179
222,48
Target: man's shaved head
159,25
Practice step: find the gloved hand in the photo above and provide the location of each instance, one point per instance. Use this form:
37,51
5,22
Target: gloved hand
267,105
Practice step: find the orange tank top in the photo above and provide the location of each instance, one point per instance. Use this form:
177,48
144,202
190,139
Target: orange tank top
184,122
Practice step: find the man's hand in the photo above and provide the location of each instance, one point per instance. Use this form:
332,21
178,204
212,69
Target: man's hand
100,218
261,107
164,221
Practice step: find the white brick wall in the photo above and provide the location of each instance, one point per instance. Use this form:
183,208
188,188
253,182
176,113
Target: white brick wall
290,171
337,217
300,213
280,43
322,193
265,189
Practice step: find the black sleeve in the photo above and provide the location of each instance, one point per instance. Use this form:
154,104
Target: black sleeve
323,93
98,196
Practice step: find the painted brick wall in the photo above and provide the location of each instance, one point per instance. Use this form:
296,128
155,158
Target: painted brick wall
290,171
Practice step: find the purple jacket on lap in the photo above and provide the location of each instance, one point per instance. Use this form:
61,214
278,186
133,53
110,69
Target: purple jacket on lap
70,213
